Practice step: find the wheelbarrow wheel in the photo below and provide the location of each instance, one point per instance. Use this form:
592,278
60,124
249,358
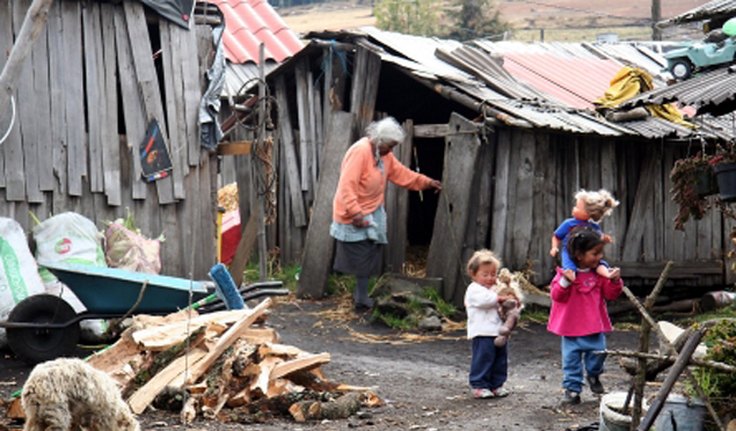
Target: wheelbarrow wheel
34,345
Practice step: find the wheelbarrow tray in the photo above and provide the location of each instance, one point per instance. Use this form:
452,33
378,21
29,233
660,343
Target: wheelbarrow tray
116,291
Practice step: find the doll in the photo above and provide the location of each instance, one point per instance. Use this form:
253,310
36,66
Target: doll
510,304
590,208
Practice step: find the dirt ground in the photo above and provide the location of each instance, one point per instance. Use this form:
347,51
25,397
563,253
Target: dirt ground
424,384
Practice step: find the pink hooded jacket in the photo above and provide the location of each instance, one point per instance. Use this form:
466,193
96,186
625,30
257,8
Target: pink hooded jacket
580,309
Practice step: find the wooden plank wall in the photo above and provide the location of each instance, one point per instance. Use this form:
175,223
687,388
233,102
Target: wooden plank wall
555,166
67,151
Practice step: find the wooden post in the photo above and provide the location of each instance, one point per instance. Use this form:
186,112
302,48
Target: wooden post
640,379
257,166
32,26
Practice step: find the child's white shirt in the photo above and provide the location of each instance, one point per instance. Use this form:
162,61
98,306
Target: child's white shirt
481,306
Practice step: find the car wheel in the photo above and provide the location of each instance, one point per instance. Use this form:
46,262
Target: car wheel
681,69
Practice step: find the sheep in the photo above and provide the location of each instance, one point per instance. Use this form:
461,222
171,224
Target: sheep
67,393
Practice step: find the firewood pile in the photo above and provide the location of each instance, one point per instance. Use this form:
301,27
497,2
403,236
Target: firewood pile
226,366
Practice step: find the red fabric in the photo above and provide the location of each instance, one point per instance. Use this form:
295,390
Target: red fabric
230,236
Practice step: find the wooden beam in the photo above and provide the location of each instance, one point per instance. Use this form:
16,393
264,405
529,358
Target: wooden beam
303,363
680,270
431,130
237,148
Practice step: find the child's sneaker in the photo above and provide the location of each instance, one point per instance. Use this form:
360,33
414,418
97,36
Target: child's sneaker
570,397
500,392
482,393
595,385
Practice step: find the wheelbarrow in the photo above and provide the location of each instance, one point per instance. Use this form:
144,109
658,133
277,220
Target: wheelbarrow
44,327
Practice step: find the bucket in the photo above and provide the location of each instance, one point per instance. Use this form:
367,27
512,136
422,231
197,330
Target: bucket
714,300
726,176
611,418
681,413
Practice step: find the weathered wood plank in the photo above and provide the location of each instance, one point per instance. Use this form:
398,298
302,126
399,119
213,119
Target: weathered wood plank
680,270
397,209
609,178
6,44
197,48
148,84
93,67
319,246
658,214
451,220
366,75
57,106
305,143
175,110
287,145
133,112
431,130
539,239
110,137
42,118
551,192
521,228
15,178
636,234
500,193
73,95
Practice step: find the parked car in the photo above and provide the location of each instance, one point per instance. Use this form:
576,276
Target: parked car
717,49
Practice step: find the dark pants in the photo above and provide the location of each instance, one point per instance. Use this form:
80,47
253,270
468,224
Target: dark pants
488,365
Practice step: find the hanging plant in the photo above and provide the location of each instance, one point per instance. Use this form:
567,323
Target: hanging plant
692,181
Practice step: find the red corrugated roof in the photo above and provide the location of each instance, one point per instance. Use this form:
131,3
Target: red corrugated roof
251,22
576,81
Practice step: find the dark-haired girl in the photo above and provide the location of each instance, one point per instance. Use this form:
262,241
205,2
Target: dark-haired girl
579,314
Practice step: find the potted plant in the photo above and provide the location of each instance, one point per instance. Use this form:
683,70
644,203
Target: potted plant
724,166
692,181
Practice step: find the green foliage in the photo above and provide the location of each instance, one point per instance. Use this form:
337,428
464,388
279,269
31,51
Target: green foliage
443,307
392,321
535,314
476,19
338,284
417,17
719,386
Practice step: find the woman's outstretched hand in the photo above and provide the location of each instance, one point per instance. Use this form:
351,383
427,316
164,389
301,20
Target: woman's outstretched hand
436,185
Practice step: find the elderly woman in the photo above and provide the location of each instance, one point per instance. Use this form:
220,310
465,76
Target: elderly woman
358,215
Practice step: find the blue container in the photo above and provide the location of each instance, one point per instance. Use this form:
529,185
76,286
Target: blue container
681,413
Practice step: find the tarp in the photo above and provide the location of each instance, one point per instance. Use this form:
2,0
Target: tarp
176,11
632,81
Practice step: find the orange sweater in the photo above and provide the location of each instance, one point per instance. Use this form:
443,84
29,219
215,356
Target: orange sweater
361,187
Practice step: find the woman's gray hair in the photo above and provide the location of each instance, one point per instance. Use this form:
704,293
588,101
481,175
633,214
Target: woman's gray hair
385,131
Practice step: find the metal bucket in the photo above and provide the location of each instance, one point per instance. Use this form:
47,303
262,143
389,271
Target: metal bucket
611,418
681,413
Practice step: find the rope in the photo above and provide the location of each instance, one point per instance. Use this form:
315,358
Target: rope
12,120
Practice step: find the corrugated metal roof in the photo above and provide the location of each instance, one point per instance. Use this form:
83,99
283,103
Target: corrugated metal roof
709,92
715,8
539,85
248,23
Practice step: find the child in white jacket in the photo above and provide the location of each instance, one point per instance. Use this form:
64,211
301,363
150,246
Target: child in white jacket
489,363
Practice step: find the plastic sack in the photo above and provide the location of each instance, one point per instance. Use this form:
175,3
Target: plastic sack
127,249
70,238
18,271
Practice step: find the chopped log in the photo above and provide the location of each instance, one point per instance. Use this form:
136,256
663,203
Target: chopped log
240,399
303,363
315,381
339,408
143,396
189,411
227,339
279,350
163,337
264,377
162,360
260,335
197,389
15,410
119,360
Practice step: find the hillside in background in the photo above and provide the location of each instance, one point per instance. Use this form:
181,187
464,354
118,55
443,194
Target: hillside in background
551,20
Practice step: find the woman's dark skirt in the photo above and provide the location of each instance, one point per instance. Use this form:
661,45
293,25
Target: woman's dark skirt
361,258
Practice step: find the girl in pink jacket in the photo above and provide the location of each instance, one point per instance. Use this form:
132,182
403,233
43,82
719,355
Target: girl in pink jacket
579,314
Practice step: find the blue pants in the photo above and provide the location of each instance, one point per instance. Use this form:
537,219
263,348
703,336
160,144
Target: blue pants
577,351
488,365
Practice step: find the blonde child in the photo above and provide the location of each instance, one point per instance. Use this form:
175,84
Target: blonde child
579,314
590,208
489,363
